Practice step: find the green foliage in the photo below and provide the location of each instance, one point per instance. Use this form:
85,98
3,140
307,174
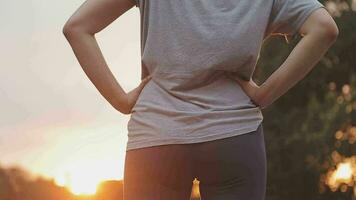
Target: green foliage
300,126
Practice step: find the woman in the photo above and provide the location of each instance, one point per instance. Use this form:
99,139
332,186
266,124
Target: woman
197,112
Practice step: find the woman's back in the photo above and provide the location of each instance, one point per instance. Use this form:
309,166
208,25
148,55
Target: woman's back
193,50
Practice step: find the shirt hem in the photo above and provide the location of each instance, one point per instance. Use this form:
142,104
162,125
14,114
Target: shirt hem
166,141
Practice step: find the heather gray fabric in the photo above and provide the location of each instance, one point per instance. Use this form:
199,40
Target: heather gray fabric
194,49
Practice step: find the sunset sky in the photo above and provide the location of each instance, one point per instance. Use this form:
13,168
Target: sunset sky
53,121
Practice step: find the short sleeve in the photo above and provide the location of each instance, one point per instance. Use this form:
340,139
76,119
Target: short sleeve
287,16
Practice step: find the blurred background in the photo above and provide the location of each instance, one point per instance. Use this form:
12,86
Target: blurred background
61,140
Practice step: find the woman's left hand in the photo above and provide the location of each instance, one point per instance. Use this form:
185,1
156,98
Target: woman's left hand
250,88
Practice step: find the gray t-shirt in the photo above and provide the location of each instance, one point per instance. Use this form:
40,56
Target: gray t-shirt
194,49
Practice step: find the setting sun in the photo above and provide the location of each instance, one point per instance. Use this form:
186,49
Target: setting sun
82,177
78,185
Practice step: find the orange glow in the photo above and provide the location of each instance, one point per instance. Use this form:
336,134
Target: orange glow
339,134
79,183
80,159
344,173
83,177
195,195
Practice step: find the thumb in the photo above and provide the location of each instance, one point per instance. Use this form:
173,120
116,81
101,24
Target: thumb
145,80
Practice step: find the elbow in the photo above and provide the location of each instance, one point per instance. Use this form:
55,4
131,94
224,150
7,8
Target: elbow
331,32
65,30
68,29
321,25
328,30
71,28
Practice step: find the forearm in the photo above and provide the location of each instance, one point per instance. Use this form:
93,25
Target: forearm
90,58
300,61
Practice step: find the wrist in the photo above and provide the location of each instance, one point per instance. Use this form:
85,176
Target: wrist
120,102
260,96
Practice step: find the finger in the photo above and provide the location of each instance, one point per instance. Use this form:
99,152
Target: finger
143,83
145,80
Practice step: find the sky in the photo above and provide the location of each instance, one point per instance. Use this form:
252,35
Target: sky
53,121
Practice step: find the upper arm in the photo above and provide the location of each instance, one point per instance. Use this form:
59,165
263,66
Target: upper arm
94,15
320,20
288,16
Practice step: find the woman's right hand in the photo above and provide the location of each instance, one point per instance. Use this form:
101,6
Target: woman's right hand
132,96
252,90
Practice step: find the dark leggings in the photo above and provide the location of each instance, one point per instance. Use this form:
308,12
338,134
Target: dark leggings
232,168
